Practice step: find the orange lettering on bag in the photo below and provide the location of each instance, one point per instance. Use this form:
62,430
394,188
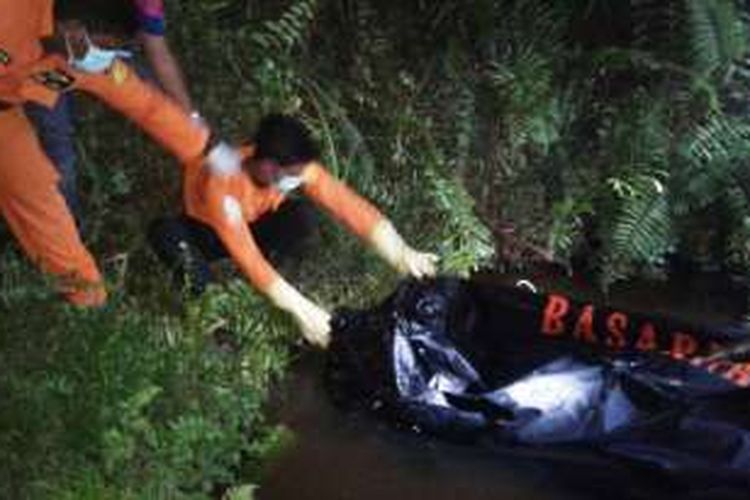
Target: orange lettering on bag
683,345
584,329
554,312
739,374
647,338
617,324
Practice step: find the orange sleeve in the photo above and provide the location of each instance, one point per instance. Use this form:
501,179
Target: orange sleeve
234,233
340,201
155,113
46,19
25,85
246,255
10,90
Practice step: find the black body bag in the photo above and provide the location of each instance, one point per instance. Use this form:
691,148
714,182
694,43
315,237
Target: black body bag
486,363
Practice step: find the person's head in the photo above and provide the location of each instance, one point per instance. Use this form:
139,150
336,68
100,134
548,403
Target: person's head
81,24
283,146
110,17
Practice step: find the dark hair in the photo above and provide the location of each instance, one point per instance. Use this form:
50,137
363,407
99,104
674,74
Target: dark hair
111,17
285,140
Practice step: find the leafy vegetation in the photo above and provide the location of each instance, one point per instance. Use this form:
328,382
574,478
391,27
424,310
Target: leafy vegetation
125,403
494,132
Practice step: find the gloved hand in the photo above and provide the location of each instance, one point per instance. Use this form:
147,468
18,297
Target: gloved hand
314,321
392,247
418,264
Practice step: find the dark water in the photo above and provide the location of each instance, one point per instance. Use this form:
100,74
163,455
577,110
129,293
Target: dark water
340,456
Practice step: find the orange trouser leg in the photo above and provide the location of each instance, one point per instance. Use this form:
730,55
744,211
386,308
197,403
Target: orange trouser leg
36,212
155,113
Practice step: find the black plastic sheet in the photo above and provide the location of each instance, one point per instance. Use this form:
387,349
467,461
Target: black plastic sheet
495,365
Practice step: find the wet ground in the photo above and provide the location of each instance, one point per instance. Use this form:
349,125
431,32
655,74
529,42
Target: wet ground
340,456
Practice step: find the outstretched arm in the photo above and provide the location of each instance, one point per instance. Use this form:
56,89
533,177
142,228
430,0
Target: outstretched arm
160,117
366,221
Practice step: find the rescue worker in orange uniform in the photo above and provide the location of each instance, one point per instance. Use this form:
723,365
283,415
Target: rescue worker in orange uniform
138,25
30,201
224,188
232,197
227,190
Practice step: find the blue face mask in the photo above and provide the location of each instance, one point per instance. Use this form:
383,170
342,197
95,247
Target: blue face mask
288,183
95,60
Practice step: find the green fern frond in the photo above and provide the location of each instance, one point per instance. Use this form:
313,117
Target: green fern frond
290,30
346,148
659,28
642,231
713,158
370,36
718,139
706,35
525,99
465,242
718,36
566,224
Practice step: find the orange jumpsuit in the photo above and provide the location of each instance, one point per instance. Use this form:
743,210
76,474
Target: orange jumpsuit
30,201
229,201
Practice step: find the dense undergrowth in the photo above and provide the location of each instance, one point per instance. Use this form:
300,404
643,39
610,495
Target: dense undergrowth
132,401
607,133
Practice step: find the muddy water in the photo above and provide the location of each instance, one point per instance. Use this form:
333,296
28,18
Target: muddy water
339,456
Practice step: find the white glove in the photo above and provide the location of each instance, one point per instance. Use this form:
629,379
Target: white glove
419,264
314,321
392,247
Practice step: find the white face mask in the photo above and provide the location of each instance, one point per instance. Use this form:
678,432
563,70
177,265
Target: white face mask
288,183
95,60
